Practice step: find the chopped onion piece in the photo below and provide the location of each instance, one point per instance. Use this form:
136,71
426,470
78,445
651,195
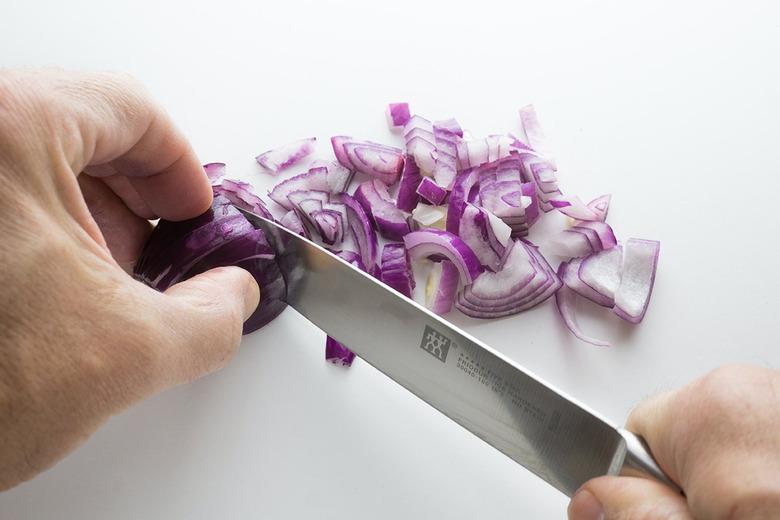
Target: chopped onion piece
337,353
583,239
429,190
381,209
534,133
426,216
640,260
574,207
524,281
397,115
215,171
600,206
446,135
287,155
486,235
360,227
397,269
459,196
435,243
442,288
566,300
420,144
353,258
407,188
329,225
291,221
319,178
241,194
602,271
377,160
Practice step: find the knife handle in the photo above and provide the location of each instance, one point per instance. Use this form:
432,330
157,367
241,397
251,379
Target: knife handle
639,462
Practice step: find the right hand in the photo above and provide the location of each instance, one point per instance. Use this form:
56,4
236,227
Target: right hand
718,438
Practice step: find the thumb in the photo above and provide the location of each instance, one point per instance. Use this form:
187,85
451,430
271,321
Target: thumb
622,498
205,315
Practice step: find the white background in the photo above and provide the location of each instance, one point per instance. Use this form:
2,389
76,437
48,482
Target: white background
674,107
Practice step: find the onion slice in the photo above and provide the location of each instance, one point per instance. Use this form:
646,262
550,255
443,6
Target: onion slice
572,206
242,194
486,235
459,196
446,135
600,206
442,288
533,131
337,353
420,144
215,171
431,192
408,197
377,160
436,243
566,300
583,239
426,216
640,260
291,153
397,269
525,280
481,151
397,115
381,209
330,179
291,221
596,277
360,227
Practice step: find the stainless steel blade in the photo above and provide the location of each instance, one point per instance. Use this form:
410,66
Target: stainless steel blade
547,432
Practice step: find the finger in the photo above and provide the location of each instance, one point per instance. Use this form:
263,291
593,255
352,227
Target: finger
654,420
120,185
616,498
124,233
120,124
206,314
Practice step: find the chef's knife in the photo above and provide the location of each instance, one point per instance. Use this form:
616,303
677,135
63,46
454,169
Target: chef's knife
547,432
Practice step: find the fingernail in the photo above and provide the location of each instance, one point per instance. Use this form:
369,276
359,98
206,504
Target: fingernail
585,506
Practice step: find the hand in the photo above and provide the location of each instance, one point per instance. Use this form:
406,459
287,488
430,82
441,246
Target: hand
85,161
718,437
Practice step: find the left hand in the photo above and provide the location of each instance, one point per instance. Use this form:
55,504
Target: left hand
85,161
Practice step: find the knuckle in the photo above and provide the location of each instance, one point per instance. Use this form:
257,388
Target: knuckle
123,90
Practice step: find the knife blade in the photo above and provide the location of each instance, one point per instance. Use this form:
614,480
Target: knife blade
547,432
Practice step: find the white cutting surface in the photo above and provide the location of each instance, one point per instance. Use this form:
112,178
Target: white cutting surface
674,107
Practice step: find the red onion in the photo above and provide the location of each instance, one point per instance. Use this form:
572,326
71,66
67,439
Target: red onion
438,244
377,160
381,209
431,192
287,155
397,115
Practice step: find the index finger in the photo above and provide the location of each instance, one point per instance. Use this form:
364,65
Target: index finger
120,124
650,420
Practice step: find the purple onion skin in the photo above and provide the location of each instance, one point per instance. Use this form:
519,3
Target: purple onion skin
248,249
407,189
337,353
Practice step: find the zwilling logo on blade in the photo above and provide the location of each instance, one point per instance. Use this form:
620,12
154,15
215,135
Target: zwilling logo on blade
435,344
